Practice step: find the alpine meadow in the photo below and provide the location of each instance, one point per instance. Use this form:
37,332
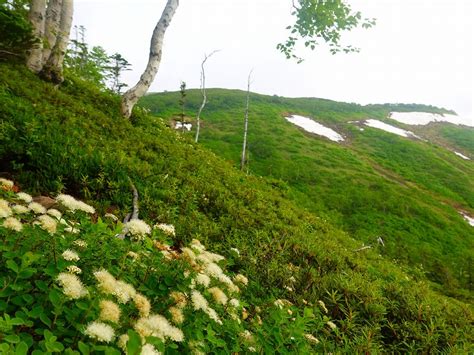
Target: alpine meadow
218,220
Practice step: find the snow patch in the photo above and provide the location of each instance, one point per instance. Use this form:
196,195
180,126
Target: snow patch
462,156
389,128
468,218
187,126
314,127
423,118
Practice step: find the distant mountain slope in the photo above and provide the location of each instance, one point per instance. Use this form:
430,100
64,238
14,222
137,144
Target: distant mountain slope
374,184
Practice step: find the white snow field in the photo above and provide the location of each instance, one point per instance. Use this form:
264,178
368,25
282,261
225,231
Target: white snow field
314,127
389,128
423,118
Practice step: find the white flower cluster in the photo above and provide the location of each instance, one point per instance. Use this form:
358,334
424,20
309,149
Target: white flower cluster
137,228
74,205
166,228
13,224
5,210
72,286
24,197
6,184
70,255
100,331
158,326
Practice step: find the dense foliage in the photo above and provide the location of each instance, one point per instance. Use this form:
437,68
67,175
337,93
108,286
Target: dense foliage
74,140
15,34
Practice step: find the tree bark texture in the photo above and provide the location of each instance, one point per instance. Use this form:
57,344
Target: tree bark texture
51,27
53,69
36,17
246,123
131,97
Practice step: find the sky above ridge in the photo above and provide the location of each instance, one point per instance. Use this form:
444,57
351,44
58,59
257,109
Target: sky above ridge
420,51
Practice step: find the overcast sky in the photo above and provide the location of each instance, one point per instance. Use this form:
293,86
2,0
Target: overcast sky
420,51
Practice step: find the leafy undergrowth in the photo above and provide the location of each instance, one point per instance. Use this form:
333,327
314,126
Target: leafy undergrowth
72,285
73,140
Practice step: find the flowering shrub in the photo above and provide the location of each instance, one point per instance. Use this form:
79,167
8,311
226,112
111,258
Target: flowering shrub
93,292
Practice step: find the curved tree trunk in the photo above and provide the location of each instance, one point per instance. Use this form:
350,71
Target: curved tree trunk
53,69
130,98
51,27
37,16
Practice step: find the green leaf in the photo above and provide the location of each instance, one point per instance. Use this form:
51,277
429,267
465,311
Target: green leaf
12,265
134,343
12,338
54,297
44,318
21,349
83,348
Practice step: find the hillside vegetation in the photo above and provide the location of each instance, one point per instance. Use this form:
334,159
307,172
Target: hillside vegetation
374,184
308,290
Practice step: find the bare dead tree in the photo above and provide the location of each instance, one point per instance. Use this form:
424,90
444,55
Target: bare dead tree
244,145
203,93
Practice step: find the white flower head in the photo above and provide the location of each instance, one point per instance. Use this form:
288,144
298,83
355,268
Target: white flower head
54,213
149,349
6,184
37,208
47,223
13,224
166,228
73,269
203,279
20,209
218,295
100,331
5,210
111,216
311,338
70,255
72,286
24,197
198,300
74,205
241,279
80,243
109,311
137,228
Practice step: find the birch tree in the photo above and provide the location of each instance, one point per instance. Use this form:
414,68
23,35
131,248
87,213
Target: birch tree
203,93
51,27
53,68
131,97
246,123
36,16
51,21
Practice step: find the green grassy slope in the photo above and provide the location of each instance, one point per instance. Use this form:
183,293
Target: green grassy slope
73,140
374,184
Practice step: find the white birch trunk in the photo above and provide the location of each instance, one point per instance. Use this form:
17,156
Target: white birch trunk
203,93
51,27
131,97
244,146
53,69
36,17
